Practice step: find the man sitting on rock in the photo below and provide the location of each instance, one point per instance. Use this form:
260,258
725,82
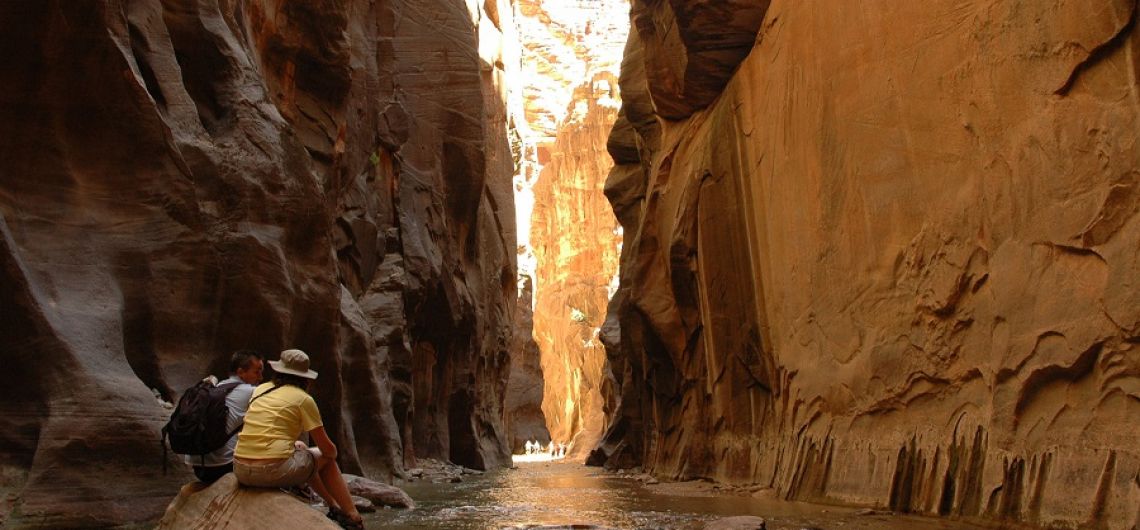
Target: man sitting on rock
245,371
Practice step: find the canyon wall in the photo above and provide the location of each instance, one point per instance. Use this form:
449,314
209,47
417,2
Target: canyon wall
888,259
181,179
570,102
525,420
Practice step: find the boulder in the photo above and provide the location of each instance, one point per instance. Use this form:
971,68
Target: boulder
225,504
363,505
379,493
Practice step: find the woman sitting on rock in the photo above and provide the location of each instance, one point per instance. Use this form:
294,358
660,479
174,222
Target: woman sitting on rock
268,453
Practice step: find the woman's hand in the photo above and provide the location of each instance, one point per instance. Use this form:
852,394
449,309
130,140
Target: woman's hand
321,438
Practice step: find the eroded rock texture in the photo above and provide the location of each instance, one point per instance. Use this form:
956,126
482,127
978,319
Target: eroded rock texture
181,179
893,263
570,104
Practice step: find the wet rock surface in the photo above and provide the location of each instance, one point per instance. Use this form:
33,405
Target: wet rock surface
740,522
438,472
182,179
893,267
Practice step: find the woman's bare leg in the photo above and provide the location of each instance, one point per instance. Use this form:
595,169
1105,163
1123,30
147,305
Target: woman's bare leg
333,481
318,484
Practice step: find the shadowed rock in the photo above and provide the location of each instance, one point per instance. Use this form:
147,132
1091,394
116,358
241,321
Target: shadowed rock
181,179
692,47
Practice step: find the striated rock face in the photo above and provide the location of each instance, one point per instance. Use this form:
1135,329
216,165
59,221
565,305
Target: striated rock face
181,179
893,263
570,104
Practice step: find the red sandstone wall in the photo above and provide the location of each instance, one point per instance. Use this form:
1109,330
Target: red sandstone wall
892,263
180,179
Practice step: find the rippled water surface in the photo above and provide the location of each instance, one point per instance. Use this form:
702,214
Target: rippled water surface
557,493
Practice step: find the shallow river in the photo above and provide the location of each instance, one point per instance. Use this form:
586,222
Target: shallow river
558,493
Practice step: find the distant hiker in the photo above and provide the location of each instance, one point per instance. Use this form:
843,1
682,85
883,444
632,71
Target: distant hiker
268,454
204,427
529,447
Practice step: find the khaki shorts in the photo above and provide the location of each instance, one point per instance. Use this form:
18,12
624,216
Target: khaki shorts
292,471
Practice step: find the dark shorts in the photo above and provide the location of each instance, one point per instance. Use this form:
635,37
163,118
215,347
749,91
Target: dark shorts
209,474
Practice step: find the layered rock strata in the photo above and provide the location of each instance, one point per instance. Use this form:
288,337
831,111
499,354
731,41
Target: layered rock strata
181,179
570,103
893,262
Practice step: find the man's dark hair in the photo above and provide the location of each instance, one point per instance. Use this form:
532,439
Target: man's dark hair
280,379
242,359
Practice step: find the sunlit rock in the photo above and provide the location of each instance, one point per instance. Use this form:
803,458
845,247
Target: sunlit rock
570,247
892,263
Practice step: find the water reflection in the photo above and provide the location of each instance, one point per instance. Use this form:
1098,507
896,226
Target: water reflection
565,494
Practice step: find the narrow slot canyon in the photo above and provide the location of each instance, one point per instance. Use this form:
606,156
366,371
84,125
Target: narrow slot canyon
538,264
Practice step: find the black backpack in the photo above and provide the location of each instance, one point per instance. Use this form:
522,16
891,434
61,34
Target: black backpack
198,424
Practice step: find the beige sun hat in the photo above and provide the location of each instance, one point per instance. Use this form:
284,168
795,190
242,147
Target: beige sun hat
294,362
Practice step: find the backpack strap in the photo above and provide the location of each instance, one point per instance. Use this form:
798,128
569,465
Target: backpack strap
275,387
238,428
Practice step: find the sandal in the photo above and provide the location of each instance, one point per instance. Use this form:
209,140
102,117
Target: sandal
344,520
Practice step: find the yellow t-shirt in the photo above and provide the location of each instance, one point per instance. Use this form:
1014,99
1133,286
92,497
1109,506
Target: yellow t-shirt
274,421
